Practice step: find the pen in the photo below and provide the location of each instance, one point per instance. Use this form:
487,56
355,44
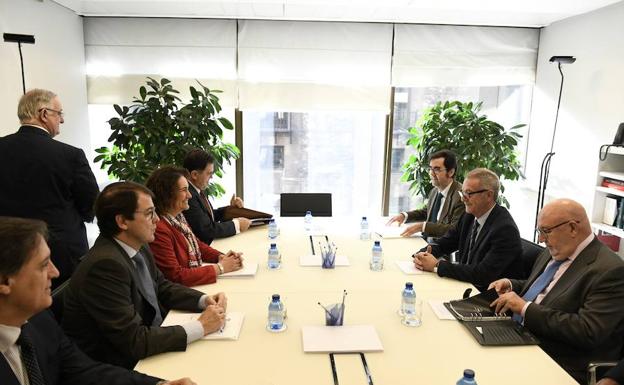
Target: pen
312,245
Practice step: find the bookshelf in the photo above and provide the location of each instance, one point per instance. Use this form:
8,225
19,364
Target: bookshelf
613,168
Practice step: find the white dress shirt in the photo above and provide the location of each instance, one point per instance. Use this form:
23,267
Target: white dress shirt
11,351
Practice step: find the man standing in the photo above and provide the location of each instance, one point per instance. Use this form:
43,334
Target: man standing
572,301
444,205
34,349
207,223
486,237
117,298
49,180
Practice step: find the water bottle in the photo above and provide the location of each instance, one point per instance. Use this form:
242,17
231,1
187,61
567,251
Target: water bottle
364,233
275,259
276,314
307,221
468,378
408,306
273,229
376,262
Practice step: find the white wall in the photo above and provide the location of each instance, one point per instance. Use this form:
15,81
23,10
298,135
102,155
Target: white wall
55,62
592,105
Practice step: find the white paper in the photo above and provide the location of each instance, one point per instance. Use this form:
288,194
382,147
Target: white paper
440,310
408,267
389,232
339,339
231,331
316,260
249,270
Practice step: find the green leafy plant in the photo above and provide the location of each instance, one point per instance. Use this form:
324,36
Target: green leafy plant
158,129
477,141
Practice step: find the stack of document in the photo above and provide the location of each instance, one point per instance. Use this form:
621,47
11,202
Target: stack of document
341,339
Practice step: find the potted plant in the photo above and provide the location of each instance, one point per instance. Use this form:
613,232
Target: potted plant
477,141
158,129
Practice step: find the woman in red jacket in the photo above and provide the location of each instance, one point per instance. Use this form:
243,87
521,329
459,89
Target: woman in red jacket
177,252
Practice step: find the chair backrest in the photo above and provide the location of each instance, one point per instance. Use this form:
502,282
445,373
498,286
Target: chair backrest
57,301
530,251
296,204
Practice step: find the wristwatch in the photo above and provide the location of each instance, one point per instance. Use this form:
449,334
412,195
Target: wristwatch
220,266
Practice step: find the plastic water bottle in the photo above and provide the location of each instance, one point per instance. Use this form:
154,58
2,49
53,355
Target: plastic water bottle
273,229
275,259
364,233
376,262
307,221
276,314
468,378
408,306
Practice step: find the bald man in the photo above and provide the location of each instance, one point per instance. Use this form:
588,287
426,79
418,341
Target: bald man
573,299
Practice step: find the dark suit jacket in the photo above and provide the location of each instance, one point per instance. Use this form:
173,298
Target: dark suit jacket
46,179
62,363
171,254
497,251
617,373
106,311
203,225
450,212
582,317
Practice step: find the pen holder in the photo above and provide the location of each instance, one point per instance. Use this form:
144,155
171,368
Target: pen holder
335,315
328,260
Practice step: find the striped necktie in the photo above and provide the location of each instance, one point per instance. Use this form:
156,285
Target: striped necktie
148,286
29,358
540,284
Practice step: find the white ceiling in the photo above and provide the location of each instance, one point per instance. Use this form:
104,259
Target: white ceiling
525,13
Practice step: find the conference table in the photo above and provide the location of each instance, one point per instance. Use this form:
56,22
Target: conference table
437,352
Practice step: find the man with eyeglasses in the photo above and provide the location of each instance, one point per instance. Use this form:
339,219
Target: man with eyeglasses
45,179
486,237
444,205
573,299
116,301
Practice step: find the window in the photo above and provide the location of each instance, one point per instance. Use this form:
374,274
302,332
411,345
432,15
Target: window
507,105
336,152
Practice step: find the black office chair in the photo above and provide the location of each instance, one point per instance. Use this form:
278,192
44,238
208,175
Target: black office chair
57,301
530,251
296,204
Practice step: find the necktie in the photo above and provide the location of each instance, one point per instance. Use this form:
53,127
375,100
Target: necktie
540,284
147,283
435,209
207,203
473,240
29,359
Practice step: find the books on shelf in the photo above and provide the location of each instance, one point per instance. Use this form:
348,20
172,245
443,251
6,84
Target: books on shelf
613,183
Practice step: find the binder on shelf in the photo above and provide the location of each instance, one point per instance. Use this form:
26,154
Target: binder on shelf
486,326
610,215
257,217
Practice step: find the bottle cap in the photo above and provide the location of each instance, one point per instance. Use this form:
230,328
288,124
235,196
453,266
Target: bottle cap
363,218
469,373
377,243
276,297
272,221
308,212
273,245
409,285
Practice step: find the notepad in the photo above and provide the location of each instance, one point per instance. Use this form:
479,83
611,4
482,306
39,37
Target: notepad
408,267
340,339
315,260
389,232
437,305
231,331
249,270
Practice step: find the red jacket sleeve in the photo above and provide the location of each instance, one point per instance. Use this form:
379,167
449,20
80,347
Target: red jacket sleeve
208,254
171,256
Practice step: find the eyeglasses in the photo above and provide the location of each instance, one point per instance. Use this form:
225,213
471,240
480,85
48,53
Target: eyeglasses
469,194
436,170
60,113
545,231
149,213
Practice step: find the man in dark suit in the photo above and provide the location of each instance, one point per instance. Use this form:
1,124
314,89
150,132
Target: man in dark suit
116,301
614,376
34,349
444,205
207,223
42,178
572,301
486,237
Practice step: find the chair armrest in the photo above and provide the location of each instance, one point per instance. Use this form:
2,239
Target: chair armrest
596,370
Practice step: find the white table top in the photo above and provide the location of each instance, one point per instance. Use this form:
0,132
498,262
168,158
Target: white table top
435,353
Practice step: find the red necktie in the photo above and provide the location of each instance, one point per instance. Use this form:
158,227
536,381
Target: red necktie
207,203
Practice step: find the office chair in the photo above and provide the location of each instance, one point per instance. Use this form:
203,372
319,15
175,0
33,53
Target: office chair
530,251
296,204
57,301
